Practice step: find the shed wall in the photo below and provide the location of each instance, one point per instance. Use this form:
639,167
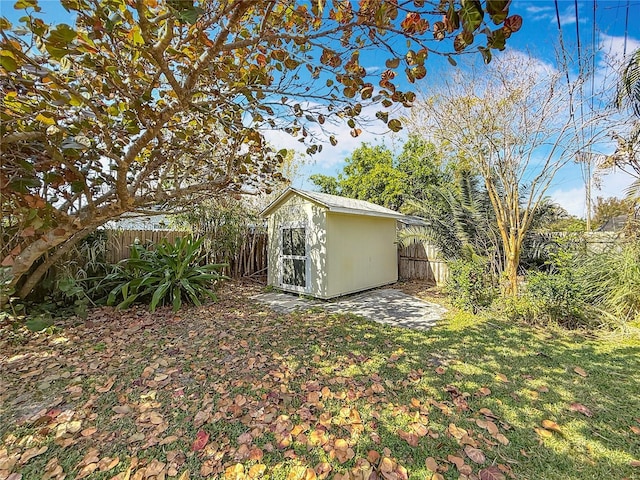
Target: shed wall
361,253
297,211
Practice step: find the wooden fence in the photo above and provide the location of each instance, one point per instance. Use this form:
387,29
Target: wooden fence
421,262
250,258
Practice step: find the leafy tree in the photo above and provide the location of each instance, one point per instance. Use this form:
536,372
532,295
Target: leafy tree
512,125
375,174
607,208
146,102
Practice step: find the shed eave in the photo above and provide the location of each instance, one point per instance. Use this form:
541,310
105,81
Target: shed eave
368,213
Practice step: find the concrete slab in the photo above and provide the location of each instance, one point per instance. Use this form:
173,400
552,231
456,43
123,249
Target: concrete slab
387,306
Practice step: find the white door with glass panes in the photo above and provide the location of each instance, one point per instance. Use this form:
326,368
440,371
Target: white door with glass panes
294,262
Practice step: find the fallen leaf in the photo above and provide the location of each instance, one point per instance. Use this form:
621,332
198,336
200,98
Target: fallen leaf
580,371
200,419
578,407
502,377
257,470
543,389
31,453
543,433
491,473
635,463
87,470
155,468
475,454
186,475
87,432
234,472
431,464
551,425
200,442
635,429
107,386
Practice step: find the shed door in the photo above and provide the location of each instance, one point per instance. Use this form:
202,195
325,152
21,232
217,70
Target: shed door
294,259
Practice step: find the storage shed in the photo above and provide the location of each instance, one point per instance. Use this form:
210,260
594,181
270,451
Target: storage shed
326,246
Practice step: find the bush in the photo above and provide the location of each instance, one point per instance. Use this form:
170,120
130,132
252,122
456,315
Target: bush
611,282
170,273
554,298
583,289
470,285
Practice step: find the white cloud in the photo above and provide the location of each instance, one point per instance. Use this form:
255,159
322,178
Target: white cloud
373,130
574,199
538,9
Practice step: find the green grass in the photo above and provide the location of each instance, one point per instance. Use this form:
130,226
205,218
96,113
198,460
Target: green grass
255,373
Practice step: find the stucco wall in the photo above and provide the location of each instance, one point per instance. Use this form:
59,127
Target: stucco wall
297,211
361,253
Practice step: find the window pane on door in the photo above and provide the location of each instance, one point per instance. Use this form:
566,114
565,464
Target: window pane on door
293,242
294,272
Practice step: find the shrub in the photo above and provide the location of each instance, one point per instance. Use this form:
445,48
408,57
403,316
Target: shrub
555,298
170,273
470,285
611,282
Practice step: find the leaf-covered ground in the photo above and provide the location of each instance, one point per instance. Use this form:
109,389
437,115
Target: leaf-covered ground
234,390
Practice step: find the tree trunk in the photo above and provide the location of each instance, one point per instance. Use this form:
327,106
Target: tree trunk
512,261
39,272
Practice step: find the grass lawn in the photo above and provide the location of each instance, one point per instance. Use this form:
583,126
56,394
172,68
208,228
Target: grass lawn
234,390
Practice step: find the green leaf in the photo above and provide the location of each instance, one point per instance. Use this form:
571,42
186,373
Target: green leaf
498,10
62,35
46,118
23,4
471,15
8,63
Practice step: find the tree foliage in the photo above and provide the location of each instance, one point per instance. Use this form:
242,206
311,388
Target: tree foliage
610,207
376,174
144,102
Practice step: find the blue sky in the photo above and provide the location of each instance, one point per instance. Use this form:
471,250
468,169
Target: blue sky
616,27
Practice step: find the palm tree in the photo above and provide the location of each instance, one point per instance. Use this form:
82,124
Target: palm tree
629,86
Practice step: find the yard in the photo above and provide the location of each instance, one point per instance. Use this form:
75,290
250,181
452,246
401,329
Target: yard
233,390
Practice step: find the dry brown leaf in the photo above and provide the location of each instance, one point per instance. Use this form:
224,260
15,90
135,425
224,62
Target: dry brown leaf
475,454
502,439
457,461
186,475
87,432
635,463
580,371
431,464
578,407
87,470
200,419
491,473
502,377
107,386
31,453
635,429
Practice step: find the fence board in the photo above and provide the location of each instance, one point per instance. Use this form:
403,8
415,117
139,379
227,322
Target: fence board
421,262
249,259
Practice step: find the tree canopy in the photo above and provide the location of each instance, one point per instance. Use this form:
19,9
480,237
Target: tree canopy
376,174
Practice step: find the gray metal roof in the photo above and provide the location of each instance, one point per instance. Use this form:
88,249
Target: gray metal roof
337,204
